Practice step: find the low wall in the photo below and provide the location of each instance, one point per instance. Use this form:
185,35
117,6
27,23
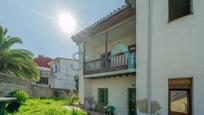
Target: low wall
10,83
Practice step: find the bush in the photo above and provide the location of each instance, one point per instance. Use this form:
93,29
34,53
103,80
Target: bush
74,112
12,107
20,95
73,99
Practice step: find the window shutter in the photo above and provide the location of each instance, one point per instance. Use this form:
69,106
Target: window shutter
103,96
106,97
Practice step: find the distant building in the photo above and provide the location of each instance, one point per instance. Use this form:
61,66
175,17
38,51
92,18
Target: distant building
64,70
45,72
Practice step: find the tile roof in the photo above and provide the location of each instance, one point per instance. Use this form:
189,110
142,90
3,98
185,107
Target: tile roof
42,61
102,19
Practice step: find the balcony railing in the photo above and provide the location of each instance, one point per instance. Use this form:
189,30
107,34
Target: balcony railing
121,61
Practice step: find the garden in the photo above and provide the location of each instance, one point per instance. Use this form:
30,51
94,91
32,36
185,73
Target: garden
47,106
23,105
19,62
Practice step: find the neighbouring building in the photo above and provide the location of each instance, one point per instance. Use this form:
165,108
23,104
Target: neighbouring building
107,51
44,67
170,65
64,72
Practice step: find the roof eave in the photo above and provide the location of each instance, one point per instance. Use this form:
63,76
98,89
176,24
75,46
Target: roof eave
91,30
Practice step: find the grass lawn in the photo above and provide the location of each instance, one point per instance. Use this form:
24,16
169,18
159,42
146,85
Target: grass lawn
40,106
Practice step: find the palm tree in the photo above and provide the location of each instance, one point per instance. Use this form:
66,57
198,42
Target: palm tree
17,62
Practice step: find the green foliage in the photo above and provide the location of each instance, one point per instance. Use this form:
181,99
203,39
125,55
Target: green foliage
12,107
45,106
74,112
73,99
16,61
56,94
20,95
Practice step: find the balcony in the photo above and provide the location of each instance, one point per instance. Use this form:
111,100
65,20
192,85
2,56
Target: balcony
111,52
120,61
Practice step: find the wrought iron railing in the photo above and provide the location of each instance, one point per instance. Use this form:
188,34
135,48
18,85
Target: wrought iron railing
120,61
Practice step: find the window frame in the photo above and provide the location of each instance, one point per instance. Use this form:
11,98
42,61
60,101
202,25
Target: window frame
103,101
181,84
178,17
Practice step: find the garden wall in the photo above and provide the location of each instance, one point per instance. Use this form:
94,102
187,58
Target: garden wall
10,83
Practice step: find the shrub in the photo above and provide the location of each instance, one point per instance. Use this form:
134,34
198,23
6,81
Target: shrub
73,99
20,95
12,107
74,112
56,94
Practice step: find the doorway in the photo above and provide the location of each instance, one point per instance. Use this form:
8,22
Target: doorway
132,101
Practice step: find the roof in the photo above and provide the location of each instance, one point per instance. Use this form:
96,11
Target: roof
108,21
42,61
61,58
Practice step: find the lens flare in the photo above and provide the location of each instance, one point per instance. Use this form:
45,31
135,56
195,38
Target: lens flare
67,22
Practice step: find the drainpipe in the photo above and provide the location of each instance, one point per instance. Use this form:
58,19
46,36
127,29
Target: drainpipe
149,61
106,50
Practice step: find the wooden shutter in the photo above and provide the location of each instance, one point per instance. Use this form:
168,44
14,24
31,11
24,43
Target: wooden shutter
106,96
103,96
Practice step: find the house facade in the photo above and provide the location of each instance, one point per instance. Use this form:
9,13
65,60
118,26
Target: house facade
168,74
44,69
108,55
170,56
64,71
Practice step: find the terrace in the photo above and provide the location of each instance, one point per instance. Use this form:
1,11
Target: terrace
112,50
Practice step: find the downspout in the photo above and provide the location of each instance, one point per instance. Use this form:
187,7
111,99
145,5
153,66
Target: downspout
106,50
149,56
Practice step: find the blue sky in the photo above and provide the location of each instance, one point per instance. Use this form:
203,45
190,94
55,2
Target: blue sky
34,21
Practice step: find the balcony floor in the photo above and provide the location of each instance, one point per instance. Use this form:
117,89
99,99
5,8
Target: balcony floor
111,74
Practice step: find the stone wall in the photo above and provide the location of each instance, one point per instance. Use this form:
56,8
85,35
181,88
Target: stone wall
10,83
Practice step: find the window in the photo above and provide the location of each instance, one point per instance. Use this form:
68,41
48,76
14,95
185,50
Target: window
43,80
179,8
103,96
180,96
55,70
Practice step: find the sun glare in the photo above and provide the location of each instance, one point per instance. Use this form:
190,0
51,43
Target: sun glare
67,22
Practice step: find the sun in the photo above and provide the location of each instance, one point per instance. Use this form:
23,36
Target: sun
66,22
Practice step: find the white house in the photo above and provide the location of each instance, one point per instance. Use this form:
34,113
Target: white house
169,40
169,58
107,51
64,70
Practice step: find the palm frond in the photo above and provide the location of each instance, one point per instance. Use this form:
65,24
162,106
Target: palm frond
10,41
16,61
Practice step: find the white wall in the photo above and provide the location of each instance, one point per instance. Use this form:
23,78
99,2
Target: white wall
141,49
177,51
117,92
66,70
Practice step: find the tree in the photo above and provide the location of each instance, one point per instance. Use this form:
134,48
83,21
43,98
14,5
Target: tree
17,62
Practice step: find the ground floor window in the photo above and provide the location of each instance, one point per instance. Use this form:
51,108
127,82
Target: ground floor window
103,96
43,80
180,97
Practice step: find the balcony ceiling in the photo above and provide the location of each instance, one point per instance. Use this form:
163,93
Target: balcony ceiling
115,33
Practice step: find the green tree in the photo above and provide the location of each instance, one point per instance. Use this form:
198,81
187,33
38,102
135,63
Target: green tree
18,62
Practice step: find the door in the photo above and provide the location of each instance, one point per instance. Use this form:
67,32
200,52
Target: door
132,101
